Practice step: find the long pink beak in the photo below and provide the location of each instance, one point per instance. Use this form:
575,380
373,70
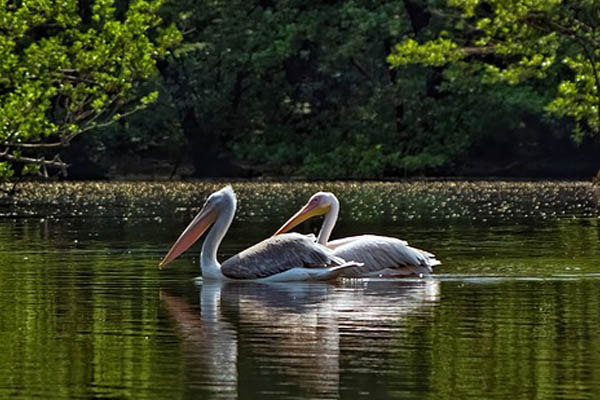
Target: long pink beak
190,235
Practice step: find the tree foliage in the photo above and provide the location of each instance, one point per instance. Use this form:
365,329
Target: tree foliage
301,89
69,67
514,41
294,87
288,88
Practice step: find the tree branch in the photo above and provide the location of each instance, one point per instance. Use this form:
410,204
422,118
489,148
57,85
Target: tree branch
56,162
35,145
359,67
476,51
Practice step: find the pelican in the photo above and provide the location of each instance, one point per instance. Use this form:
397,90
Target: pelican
382,256
292,257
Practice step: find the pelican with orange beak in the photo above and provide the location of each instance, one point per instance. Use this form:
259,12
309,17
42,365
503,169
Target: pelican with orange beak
381,256
290,257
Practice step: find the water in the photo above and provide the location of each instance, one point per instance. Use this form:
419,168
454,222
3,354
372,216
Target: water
514,312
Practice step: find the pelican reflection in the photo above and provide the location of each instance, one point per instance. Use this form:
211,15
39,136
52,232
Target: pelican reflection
280,339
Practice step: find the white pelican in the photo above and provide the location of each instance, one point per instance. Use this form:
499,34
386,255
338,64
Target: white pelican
292,257
382,256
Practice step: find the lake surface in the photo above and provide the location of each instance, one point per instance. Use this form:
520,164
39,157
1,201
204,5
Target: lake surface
513,312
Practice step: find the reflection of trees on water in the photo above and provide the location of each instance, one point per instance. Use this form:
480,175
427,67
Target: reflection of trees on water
276,340
513,339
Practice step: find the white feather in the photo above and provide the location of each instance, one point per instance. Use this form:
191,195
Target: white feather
382,256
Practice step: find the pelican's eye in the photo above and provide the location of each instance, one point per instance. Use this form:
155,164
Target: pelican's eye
209,201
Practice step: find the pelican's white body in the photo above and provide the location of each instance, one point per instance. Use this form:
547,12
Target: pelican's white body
381,256
273,259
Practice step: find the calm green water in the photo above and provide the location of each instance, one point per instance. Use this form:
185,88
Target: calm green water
514,312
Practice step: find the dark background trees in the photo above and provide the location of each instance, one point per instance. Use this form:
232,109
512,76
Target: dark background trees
68,68
305,88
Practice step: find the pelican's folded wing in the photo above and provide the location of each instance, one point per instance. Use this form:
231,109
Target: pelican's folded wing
383,256
279,254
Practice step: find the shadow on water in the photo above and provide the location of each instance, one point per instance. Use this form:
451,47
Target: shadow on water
286,339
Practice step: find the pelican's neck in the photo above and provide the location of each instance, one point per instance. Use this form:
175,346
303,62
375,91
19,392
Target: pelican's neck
208,258
329,222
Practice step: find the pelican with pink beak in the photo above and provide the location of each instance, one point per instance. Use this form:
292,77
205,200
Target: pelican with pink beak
381,256
289,257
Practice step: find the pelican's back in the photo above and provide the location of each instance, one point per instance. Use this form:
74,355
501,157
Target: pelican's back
283,253
383,256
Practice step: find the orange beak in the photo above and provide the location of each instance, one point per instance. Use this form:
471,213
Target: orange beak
306,212
191,234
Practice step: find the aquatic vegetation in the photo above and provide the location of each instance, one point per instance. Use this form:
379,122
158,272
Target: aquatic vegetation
361,201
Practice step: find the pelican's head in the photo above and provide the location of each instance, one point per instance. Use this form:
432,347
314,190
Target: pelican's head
319,204
200,224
